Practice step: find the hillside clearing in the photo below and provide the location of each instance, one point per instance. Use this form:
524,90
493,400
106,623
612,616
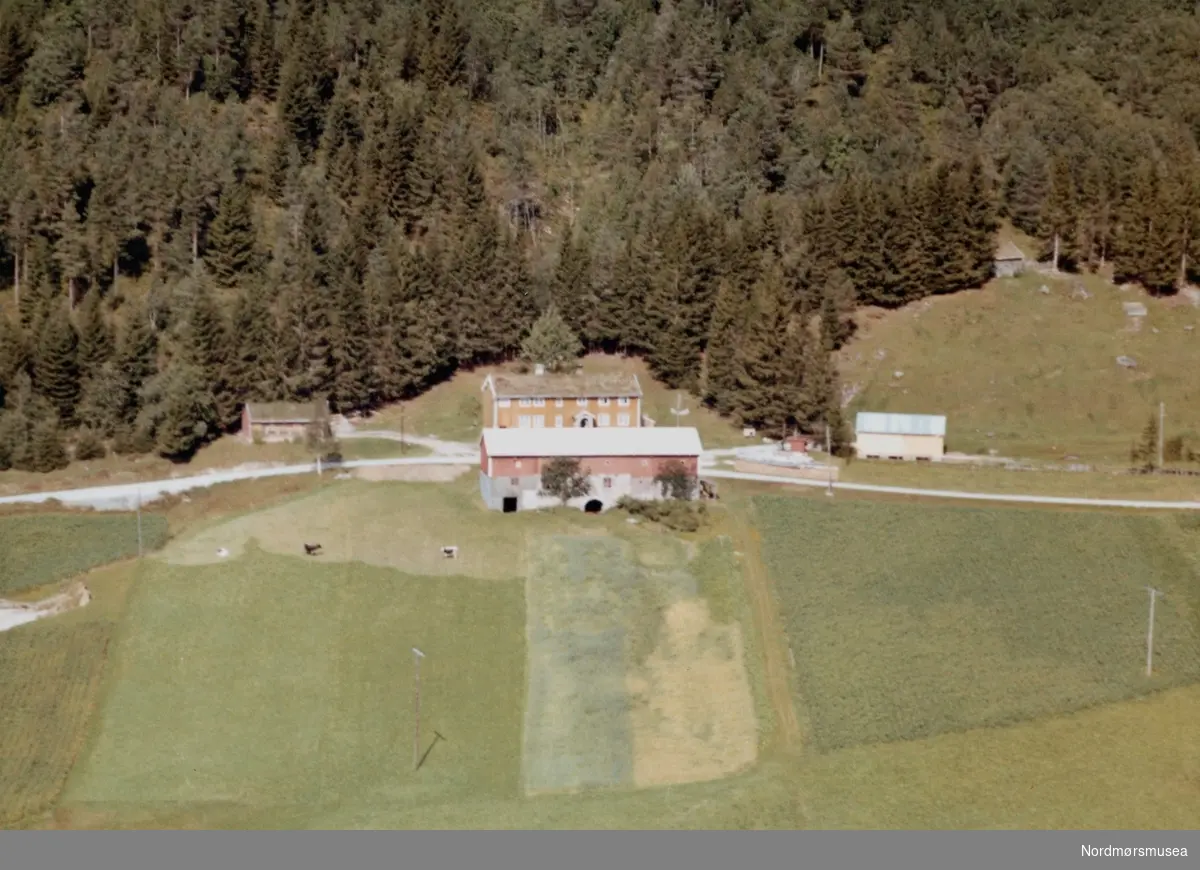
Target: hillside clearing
1030,374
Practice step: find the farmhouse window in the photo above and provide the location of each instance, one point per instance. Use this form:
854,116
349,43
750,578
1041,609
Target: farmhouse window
539,421
525,421
645,462
558,421
622,419
539,403
517,464
623,401
608,483
515,481
506,403
525,403
581,403
558,403
603,401
603,420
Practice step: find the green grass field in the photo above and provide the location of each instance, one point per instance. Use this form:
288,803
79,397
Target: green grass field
1038,371
41,548
271,690
909,621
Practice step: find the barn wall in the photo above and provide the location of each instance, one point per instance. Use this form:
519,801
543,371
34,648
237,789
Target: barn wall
870,445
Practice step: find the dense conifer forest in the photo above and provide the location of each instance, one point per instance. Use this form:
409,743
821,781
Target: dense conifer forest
355,198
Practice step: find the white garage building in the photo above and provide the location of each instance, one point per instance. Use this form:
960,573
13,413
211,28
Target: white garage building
899,436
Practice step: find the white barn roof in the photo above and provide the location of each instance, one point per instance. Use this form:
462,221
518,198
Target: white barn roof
900,424
594,441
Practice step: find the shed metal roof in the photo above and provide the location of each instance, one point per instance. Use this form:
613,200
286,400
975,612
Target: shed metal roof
1009,251
566,386
900,424
597,441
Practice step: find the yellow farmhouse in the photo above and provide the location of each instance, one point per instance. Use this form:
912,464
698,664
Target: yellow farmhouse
552,401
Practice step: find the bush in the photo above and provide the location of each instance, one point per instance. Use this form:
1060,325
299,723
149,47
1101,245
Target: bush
680,516
89,446
132,441
46,448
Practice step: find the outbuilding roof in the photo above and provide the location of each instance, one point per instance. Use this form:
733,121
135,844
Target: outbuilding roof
899,424
287,412
1009,251
596,441
555,386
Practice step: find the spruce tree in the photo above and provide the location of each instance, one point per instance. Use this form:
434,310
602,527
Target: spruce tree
350,352
137,355
96,342
761,397
551,342
46,449
724,338
207,349
56,365
186,417
231,238
571,289
837,306
253,373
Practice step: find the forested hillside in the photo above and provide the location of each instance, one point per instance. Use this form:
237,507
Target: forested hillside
206,203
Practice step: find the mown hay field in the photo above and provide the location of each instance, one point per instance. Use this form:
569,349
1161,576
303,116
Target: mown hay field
39,548
275,681
908,621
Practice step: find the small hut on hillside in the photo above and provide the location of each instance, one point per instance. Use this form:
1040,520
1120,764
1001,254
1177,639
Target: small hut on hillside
272,422
1010,260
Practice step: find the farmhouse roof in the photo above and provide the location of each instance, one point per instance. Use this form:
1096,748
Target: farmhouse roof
565,386
1009,251
596,441
287,412
899,424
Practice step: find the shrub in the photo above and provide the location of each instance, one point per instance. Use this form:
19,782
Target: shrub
680,516
89,446
47,452
132,441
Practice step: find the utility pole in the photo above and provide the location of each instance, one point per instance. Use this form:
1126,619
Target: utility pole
829,459
417,656
1154,593
1162,417
401,428
139,521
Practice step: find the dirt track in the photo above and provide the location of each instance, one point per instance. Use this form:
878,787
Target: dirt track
770,629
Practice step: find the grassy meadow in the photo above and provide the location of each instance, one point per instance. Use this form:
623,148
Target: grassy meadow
954,667
908,621
1031,374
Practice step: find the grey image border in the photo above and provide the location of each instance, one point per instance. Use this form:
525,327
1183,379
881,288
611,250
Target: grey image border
741,850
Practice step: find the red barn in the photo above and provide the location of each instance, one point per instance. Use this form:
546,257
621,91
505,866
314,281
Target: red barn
617,461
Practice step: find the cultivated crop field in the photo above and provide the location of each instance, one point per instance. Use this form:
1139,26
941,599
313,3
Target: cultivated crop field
908,621
40,548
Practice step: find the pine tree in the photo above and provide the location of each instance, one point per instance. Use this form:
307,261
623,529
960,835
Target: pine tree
253,366
137,356
551,342
207,349
56,364
96,343
760,396
353,382
186,417
837,306
571,289
1058,225
46,449
231,238
724,338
